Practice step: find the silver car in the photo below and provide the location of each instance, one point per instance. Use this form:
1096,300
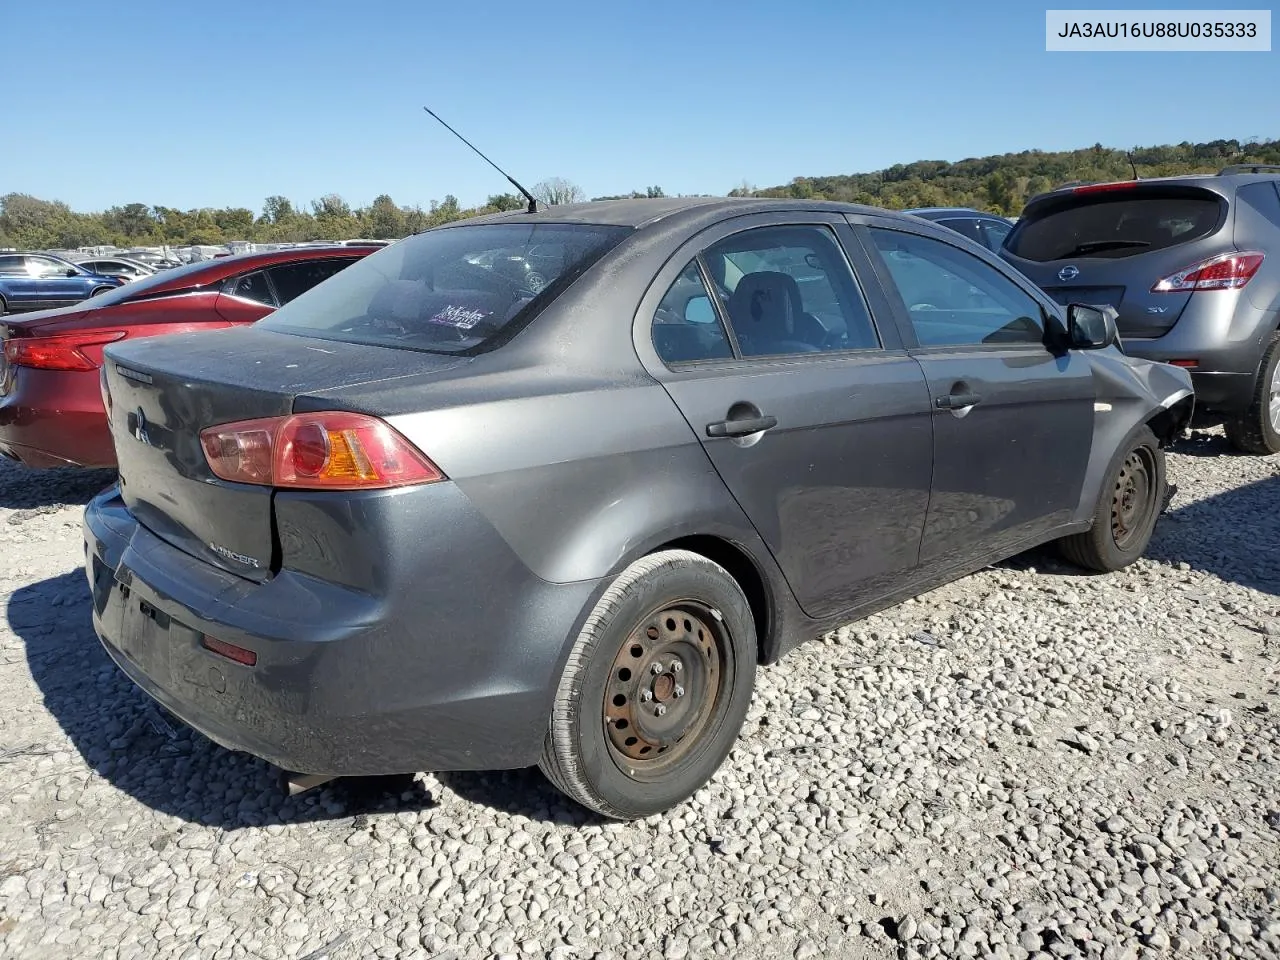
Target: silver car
1192,267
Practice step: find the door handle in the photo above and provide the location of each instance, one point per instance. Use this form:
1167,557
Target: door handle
740,428
957,401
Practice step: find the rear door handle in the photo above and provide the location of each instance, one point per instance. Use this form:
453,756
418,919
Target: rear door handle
740,428
957,401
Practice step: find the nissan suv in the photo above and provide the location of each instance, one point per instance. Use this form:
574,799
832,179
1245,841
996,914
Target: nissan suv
1191,265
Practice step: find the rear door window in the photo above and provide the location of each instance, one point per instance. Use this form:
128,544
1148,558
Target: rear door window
293,279
789,289
251,286
686,326
1115,224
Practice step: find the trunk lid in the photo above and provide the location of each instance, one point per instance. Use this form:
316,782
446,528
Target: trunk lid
165,390
1109,244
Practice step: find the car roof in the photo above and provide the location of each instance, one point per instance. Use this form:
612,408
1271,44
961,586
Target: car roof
1224,182
641,212
202,272
930,212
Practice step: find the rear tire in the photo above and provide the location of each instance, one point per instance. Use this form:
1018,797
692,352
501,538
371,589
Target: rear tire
627,742
97,290
1257,430
1129,503
4,307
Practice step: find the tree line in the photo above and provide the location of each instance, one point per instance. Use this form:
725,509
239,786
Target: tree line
1001,184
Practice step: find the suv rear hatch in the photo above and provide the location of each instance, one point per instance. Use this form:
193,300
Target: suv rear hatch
1111,243
165,390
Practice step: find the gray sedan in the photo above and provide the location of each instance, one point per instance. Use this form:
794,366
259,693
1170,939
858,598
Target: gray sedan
430,516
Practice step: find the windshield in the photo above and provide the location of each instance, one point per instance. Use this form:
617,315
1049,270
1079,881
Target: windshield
1115,225
449,290
144,285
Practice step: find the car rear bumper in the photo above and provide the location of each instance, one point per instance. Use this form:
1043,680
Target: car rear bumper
55,419
1224,340
346,683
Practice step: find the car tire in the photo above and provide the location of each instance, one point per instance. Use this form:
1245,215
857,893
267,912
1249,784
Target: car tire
1256,431
1132,496
627,742
4,307
97,290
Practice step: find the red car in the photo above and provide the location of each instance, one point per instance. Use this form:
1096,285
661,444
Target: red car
51,412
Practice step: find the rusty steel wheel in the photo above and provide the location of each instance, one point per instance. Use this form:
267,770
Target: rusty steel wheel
663,687
1133,498
1132,494
656,687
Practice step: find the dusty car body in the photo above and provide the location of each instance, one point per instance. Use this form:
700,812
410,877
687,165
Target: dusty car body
604,502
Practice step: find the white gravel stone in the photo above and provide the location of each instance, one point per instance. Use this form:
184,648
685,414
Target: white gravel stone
1028,763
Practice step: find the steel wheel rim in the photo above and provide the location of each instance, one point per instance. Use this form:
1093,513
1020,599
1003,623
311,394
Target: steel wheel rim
1132,498
1273,403
665,686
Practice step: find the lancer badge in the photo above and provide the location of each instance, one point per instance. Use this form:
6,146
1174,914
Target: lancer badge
1068,273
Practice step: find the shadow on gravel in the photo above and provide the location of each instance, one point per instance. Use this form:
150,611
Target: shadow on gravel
22,488
1232,535
1199,444
147,753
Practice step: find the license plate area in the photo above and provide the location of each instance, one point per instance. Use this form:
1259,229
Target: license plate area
143,636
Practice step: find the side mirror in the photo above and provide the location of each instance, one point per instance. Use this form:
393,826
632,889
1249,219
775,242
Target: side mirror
1090,327
72,272
699,310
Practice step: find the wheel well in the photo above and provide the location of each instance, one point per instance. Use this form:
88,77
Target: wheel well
743,569
1168,423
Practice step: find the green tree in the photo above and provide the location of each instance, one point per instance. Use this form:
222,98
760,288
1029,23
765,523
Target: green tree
385,220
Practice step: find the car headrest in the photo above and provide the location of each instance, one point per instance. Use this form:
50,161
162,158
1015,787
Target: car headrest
764,306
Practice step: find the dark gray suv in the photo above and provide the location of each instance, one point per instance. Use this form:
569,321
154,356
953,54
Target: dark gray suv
1192,265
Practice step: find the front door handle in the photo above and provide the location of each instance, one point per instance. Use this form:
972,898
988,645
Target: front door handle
740,428
957,401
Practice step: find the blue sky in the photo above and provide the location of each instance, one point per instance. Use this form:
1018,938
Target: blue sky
200,103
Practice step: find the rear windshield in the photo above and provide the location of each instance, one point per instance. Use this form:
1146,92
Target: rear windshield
450,290
1113,226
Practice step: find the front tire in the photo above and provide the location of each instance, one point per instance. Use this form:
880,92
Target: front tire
655,690
1257,430
1129,503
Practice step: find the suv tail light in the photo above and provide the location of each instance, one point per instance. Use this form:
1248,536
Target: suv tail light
316,451
1230,271
64,351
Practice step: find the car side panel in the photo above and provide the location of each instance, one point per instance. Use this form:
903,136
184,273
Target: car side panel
619,463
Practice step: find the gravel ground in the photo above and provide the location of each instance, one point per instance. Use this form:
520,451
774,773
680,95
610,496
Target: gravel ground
1027,763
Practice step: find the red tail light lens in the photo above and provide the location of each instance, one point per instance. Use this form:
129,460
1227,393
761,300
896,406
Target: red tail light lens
1227,272
68,351
1104,187
316,451
228,650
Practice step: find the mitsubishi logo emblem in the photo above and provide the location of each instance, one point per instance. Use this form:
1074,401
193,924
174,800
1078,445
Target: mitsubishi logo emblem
140,428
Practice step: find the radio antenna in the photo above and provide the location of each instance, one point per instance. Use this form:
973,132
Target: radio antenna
533,204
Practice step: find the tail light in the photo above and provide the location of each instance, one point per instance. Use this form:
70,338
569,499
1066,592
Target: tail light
316,451
1230,271
64,351
1104,187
